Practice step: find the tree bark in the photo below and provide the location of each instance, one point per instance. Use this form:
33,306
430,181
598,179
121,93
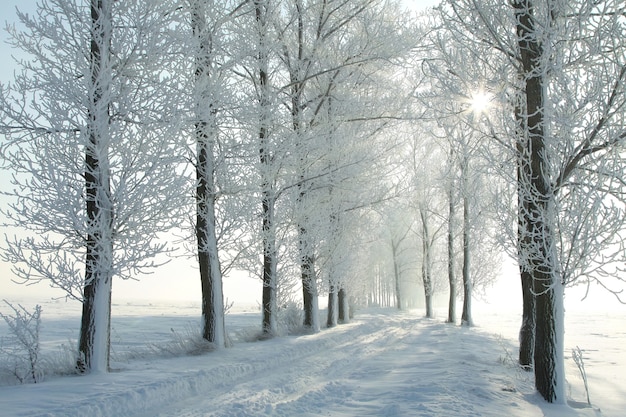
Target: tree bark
396,273
426,266
269,300
451,255
95,330
344,315
429,306
268,195
213,328
466,316
527,329
309,286
305,248
539,257
331,320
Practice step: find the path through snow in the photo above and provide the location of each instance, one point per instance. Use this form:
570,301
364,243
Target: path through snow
383,364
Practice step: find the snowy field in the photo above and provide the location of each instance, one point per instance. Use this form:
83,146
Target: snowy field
384,363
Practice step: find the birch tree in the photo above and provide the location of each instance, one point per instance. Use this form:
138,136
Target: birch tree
89,129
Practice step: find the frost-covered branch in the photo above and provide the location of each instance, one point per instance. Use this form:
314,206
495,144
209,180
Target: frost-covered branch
21,346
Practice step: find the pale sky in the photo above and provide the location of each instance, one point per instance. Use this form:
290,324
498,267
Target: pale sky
7,15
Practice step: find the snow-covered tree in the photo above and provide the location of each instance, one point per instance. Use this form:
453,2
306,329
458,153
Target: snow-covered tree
208,19
339,45
21,348
454,92
90,128
309,72
567,98
399,239
260,119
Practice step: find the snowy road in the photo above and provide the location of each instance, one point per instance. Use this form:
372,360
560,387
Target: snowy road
384,363
303,376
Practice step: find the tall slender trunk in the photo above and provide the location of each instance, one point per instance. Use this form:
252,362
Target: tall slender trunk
466,315
451,254
334,281
205,134
305,248
269,300
213,328
95,329
539,256
396,273
426,266
268,194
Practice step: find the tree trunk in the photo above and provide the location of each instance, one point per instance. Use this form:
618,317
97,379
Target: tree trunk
426,266
205,133
269,261
95,329
268,197
429,306
344,315
539,257
331,320
451,256
396,274
427,281
305,248
527,329
466,316
309,286
548,354
213,328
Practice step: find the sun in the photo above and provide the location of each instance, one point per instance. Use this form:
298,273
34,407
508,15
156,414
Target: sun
480,101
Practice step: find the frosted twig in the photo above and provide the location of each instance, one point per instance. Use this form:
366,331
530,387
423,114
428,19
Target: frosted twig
577,355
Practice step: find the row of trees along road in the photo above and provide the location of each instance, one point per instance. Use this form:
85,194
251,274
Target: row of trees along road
273,104
324,146
557,72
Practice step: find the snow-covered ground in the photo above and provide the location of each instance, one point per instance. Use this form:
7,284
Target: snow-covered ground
384,363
